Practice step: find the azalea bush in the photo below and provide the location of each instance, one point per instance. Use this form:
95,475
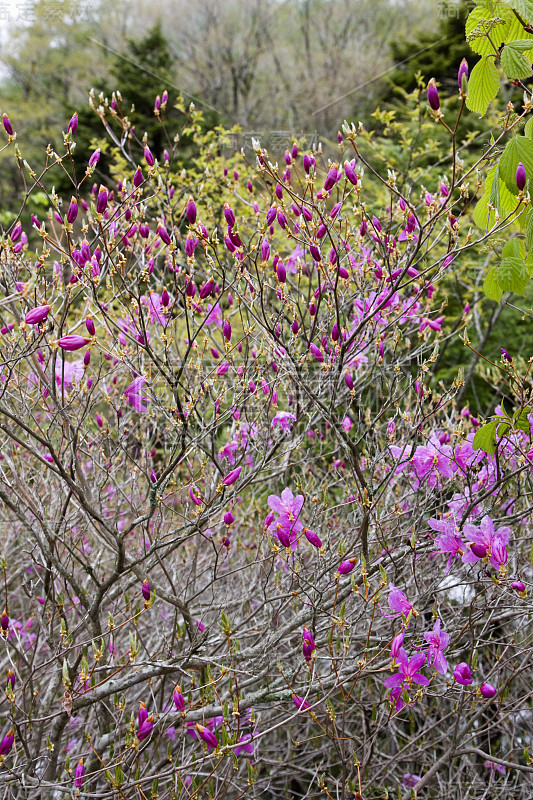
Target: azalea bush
250,547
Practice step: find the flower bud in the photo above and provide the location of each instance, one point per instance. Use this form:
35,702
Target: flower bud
488,691
72,342
37,315
462,75
145,589
73,124
191,211
433,95
521,177
148,157
7,125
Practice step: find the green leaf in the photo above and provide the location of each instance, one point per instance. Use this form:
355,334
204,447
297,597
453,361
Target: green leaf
523,7
528,129
491,286
486,18
518,149
483,85
529,229
485,438
512,275
514,248
514,63
521,419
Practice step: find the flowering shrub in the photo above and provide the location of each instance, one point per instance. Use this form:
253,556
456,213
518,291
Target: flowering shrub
250,547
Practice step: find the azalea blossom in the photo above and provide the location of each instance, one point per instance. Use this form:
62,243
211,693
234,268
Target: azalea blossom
285,419
485,537
438,641
135,396
407,675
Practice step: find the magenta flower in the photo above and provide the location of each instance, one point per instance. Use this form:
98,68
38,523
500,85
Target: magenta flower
285,419
145,728
309,645
79,774
37,315
245,745
448,540
407,674
286,531
398,602
462,674
208,736
300,702
231,477
7,742
438,641
347,566
312,538
316,352
287,504
485,537
179,701
396,644
488,691
133,393
433,95
72,342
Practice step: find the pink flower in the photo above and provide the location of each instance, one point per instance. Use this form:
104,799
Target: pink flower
448,541
287,504
438,641
285,419
407,675
398,601
485,537
133,393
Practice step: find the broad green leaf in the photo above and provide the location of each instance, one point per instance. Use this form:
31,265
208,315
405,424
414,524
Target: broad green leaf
520,148
491,287
503,428
514,63
512,275
522,422
529,229
514,248
528,129
483,85
523,7
511,30
485,438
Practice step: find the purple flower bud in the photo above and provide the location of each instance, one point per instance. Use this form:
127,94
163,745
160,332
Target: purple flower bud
376,223
300,702
307,163
73,124
191,211
282,219
479,550
316,352
315,252
145,589
72,342
271,215
89,324
87,358
208,736
72,212
79,774
153,476
518,586
7,742
148,157
331,178
179,700
163,234
462,75
4,620
190,288
433,95
488,691
145,729
7,125
312,538
232,476
505,355
347,566
279,191
348,380
295,327
37,315
229,519
396,644
350,172
95,158
281,272
207,289
521,176
138,177
462,674
226,330
229,215
101,200
308,644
